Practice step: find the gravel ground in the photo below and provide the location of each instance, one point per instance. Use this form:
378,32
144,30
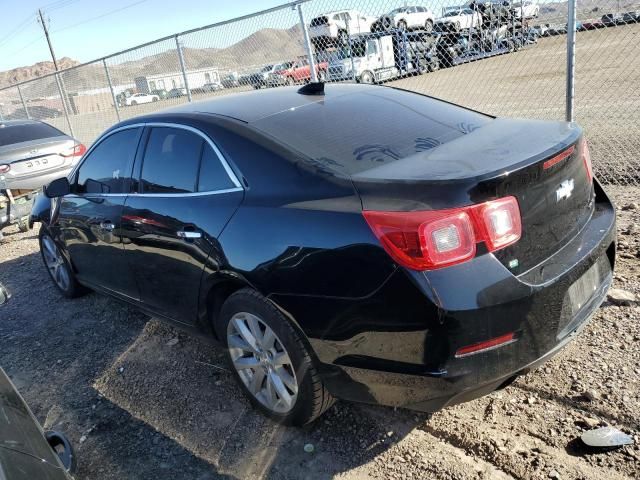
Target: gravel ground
142,400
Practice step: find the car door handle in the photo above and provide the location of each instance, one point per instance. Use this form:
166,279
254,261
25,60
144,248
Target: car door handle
107,226
188,234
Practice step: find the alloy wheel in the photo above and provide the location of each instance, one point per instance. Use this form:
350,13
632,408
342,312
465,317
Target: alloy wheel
262,362
55,263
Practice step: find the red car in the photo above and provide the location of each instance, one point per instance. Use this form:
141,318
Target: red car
298,71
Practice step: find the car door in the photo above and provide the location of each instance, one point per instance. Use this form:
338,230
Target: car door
88,220
184,194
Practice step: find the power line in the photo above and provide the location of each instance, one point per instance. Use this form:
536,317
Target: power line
24,47
111,12
8,36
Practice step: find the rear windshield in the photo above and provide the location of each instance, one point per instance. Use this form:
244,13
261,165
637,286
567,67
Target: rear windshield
10,134
359,131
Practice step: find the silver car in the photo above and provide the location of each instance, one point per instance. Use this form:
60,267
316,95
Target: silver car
33,153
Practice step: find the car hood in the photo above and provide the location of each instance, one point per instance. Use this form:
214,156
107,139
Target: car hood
24,452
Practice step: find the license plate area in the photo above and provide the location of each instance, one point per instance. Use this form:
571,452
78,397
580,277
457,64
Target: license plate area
581,294
37,164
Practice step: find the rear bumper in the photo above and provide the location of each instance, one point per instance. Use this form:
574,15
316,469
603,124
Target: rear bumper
36,181
397,347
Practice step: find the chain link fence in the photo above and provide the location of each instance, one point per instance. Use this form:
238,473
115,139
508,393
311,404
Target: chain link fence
500,57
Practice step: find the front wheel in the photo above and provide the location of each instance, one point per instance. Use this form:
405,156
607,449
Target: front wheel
133,102
270,360
58,267
367,77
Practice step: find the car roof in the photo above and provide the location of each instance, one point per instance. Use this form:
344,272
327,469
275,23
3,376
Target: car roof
255,105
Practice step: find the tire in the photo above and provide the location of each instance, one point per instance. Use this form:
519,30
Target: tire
245,311
457,26
154,99
23,225
133,102
402,26
62,276
367,77
428,26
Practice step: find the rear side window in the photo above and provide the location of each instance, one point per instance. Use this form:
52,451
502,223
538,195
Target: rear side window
359,131
106,169
171,161
10,134
213,176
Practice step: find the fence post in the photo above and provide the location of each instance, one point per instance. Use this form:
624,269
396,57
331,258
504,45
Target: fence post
24,105
307,44
571,57
184,71
113,94
64,103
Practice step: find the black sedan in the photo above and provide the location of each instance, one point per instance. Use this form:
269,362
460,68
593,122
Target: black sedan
360,242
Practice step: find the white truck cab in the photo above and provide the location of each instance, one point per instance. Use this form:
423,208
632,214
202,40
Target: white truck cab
370,59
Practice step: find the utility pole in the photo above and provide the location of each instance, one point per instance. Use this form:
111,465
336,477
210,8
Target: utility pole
46,34
55,65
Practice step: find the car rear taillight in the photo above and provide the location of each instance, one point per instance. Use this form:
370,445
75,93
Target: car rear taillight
76,151
586,158
427,240
5,168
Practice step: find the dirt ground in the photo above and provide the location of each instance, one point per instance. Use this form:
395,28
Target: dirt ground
141,400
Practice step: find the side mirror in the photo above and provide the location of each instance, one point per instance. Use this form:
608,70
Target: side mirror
58,188
4,295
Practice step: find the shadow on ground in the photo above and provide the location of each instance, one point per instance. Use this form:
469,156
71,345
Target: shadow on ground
137,405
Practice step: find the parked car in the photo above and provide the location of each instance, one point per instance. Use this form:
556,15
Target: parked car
230,81
631,17
290,73
592,25
334,28
138,98
35,112
404,18
34,153
161,93
460,19
375,261
259,79
177,92
26,452
212,87
530,9
612,19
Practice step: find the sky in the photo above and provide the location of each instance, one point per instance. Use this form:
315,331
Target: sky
79,30
86,30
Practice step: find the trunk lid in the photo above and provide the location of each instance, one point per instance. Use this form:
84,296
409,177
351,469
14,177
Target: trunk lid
35,156
502,158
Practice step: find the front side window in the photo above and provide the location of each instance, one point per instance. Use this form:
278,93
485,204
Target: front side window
106,169
171,161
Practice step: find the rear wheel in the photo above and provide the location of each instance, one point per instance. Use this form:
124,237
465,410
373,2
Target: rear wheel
367,77
402,26
428,26
58,267
270,360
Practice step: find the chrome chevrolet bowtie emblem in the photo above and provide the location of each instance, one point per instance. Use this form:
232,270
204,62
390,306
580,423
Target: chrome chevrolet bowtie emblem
565,190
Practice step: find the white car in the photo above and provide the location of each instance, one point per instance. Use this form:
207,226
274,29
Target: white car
528,8
405,18
138,98
460,18
334,28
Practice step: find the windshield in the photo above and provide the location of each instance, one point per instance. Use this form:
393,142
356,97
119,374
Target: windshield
358,50
397,10
453,13
267,68
10,134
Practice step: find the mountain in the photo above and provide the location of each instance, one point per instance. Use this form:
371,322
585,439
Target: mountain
39,69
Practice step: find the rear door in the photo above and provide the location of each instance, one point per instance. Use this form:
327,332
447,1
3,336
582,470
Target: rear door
89,218
185,195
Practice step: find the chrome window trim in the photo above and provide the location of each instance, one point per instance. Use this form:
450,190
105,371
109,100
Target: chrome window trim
223,161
